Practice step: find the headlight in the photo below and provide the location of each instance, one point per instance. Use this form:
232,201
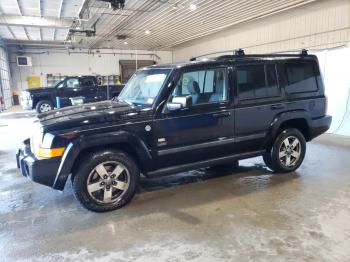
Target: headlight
26,95
41,144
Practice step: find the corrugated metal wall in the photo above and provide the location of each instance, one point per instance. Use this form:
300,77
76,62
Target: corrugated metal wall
5,86
322,24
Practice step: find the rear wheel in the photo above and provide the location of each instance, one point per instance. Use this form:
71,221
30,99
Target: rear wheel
287,152
106,180
43,106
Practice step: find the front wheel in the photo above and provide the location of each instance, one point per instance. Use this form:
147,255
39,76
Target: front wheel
106,180
287,152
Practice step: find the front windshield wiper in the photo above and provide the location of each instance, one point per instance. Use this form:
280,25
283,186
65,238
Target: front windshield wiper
117,99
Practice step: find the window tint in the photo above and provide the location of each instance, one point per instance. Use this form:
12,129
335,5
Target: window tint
72,83
87,82
257,81
272,86
204,86
301,77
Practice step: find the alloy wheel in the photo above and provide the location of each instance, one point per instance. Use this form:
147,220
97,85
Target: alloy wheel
290,151
108,182
45,108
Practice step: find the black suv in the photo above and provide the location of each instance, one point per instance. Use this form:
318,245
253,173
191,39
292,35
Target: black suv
172,118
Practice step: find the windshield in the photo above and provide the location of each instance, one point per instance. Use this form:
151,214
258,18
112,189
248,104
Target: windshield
144,86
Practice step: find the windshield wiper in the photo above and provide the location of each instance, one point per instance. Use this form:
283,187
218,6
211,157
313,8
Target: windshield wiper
124,100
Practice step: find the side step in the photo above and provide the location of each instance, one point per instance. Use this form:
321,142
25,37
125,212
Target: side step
201,164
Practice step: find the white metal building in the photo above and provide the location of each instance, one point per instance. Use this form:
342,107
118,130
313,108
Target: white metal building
5,78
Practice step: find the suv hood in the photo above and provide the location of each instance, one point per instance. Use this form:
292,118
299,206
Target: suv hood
88,115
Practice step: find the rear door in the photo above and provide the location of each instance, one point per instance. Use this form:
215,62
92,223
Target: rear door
203,131
259,100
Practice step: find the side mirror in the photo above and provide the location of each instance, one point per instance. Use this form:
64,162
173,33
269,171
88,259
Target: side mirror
179,102
173,106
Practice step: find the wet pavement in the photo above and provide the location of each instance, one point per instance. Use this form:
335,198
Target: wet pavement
248,214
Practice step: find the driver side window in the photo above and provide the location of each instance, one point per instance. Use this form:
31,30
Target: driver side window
72,83
204,86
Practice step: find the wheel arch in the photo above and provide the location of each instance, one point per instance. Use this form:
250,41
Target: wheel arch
76,150
299,123
298,119
36,100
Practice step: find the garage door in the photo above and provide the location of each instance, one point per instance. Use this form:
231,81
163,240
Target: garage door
128,67
5,88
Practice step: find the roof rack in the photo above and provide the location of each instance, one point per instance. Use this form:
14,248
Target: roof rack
240,53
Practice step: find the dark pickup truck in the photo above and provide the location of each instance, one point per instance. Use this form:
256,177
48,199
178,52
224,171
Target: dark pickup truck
70,91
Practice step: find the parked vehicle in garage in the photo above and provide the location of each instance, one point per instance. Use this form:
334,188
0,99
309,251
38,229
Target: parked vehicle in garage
172,118
70,91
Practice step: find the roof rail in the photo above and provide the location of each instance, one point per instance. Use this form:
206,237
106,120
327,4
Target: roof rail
237,52
240,53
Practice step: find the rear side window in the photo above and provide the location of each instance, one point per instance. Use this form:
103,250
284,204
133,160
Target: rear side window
301,77
257,81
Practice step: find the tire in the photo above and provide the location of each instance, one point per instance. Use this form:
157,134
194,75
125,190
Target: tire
43,106
268,159
225,167
105,192
287,152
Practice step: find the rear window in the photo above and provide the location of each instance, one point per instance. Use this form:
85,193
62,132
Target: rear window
301,77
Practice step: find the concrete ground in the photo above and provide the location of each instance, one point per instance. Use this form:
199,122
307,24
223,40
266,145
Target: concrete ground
248,214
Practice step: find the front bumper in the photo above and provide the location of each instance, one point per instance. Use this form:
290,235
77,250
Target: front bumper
320,125
26,103
42,171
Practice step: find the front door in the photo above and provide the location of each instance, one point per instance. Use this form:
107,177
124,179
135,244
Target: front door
71,88
202,131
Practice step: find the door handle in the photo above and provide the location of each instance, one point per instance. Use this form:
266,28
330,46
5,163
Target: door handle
222,114
278,106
